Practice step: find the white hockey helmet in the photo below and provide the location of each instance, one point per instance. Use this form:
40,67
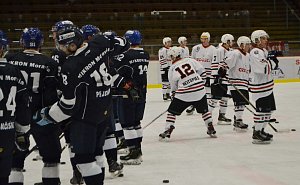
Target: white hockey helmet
255,36
243,40
166,39
181,39
205,35
227,37
175,52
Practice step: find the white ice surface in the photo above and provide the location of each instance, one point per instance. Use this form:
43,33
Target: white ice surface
193,158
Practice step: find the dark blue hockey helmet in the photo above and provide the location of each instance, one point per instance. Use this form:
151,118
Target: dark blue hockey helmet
60,25
70,34
89,30
3,40
32,38
134,37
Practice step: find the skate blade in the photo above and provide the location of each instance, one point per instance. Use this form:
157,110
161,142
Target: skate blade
223,123
213,135
257,141
117,173
240,129
164,139
132,162
123,151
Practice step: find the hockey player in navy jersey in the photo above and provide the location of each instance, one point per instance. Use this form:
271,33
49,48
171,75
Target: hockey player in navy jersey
86,98
14,112
187,84
133,65
39,72
261,86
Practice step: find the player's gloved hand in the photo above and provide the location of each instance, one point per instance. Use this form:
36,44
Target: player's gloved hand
172,95
42,117
132,92
272,55
207,82
222,72
22,141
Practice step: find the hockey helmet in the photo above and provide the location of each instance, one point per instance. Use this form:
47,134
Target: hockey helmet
134,37
175,52
3,40
70,34
243,40
166,39
32,38
227,37
181,40
257,34
205,35
61,24
89,30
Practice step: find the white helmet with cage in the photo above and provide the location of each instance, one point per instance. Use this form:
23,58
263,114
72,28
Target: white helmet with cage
227,37
205,35
181,40
243,40
175,52
166,39
257,34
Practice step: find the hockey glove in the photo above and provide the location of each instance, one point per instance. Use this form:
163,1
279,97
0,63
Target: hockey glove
22,141
222,72
42,117
132,92
207,82
272,55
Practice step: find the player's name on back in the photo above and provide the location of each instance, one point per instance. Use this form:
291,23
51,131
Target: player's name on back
7,125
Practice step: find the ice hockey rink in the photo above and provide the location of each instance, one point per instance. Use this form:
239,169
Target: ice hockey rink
191,157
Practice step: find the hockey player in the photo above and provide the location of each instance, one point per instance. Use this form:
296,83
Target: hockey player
185,50
133,65
86,98
165,62
110,144
261,85
186,77
14,112
219,86
238,65
39,72
204,53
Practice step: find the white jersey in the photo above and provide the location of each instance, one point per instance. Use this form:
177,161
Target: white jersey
238,64
261,78
186,78
204,55
164,58
218,58
185,53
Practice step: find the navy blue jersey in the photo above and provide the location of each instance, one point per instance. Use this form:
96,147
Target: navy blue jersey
40,74
133,66
13,97
86,90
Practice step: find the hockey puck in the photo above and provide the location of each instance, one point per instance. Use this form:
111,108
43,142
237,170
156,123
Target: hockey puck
293,129
166,181
63,162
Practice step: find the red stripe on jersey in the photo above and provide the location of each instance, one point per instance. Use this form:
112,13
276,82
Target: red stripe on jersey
262,87
190,88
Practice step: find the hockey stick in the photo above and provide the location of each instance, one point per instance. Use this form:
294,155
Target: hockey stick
154,119
245,98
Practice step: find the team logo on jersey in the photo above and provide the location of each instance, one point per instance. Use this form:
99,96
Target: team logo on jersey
119,57
256,52
198,49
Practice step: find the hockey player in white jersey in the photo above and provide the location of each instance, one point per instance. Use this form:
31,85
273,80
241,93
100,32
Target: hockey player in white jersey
182,44
165,62
237,63
219,86
187,84
204,53
261,86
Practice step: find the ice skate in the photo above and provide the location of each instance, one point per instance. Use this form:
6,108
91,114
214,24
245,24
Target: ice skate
190,110
77,178
115,169
121,147
168,96
133,158
211,130
165,136
223,120
270,136
259,138
165,97
239,126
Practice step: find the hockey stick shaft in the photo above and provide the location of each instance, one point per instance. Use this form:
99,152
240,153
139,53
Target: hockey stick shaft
246,99
155,119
